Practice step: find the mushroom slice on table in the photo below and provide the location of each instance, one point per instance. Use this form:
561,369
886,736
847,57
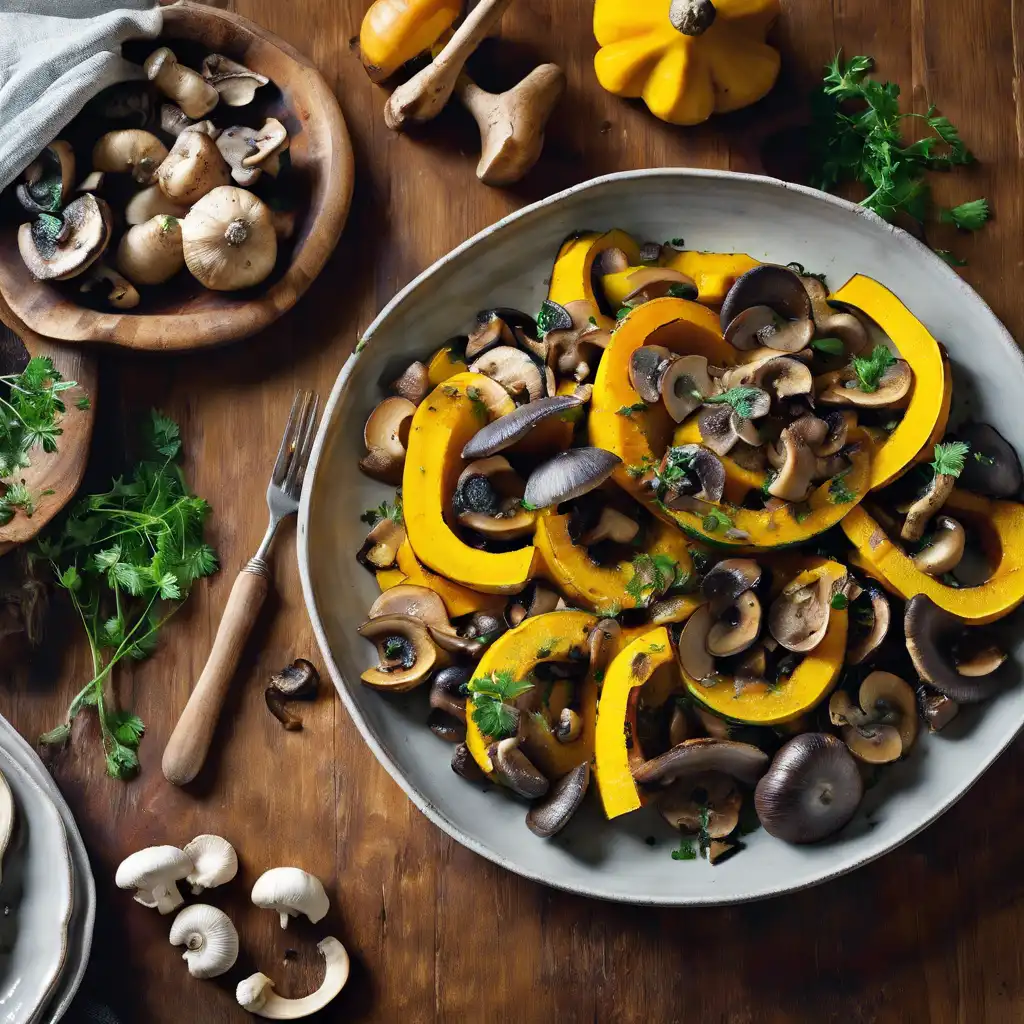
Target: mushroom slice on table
46,184
290,892
552,813
884,727
743,761
129,151
686,801
385,436
154,873
931,634
195,96
214,862
569,475
406,651
992,467
236,84
944,551
514,370
60,248
505,431
798,617
812,789
256,993
210,938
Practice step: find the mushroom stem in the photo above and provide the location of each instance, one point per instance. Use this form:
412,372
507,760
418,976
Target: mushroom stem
236,232
423,97
167,898
512,123
926,506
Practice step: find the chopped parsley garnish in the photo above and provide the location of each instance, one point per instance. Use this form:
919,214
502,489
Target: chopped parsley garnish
451,390
491,697
741,398
830,346
949,458
628,410
686,851
385,510
967,216
839,602
870,368
715,520
652,574
838,491
671,475
393,647
477,402
682,291
623,312
950,258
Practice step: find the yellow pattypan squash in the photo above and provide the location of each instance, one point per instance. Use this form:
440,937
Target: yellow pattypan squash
687,59
395,31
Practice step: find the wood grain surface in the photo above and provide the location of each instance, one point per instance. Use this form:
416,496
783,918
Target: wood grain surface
931,933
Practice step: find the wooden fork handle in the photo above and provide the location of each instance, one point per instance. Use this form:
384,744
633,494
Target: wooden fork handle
190,742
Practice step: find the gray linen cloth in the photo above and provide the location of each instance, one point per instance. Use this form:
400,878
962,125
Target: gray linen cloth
55,55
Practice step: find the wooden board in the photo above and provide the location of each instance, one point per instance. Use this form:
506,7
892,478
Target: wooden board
930,934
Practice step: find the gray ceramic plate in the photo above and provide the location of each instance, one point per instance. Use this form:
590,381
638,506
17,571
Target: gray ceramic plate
507,265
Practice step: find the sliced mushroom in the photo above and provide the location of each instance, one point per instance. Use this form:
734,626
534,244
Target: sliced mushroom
514,370
572,351
992,467
488,499
535,600
931,634
945,550
834,323
742,761
684,385
793,480
129,151
612,526
719,428
568,475
505,431
149,203
117,290
447,693
414,602
56,249
783,377
550,815
767,285
515,770
975,657
648,283
647,366
413,383
490,331
936,708
861,648
236,84
940,487
798,617
667,610
884,727
47,181
692,650
687,801
600,643
727,580
737,628
406,652
464,765
838,423
839,387
811,790
385,435
689,472
762,326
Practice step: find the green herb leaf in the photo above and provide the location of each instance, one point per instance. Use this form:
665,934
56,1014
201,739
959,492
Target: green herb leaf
741,398
838,491
628,410
686,850
967,216
682,291
716,520
839,601
385,510
830,346
870,368
953,261
949,458
476,400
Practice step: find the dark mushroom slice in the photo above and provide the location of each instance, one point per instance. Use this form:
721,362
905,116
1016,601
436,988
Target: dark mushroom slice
647,365
489,331
753,669
568,475
48,180
742,761
569,726
445,728
447,693
690,472
554,317
648,283
992,467
692,650
719,428
799,466
798,617
726,580
650,252
737,628
483,485
612,525
380,549
936,708
834,323
464,765
840,387
514,370
571,351
684,385
416,602
484,627
974,656
867,642
535,600
784,377
931,634
839,422
173,119
708,802
715,727
297,681
406,651
944,551
276,701
762,326
385,436
600,642
515,770
413,383
550,815
60,248
671,609
920,512
767,285
811,790
883,728
505,431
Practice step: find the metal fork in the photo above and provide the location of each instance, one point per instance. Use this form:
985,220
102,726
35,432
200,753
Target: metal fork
190,742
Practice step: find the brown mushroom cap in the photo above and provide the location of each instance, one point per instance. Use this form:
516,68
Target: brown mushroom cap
413,661
743,761
647,365
767,285
552,813
413,601
515,770
726,580
798,617
600,642
884,727
569,475
945,550
506,430
684,385
940,487
795,475
514,370
385,436
737,628
692,650
81,240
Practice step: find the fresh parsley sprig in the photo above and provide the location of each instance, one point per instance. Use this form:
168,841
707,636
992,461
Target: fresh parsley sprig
949,458
652,575
870,369
385,510
742,399
127,558
491,697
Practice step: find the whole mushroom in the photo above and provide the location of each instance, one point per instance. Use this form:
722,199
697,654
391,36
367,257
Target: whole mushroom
151,253
291,892
153,874
210,938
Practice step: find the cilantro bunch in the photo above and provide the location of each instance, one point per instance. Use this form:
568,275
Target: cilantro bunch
857,136
127,558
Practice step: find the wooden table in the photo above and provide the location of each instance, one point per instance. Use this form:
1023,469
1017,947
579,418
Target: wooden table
932,932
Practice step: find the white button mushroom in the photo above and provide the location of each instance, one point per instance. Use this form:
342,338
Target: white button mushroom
210,939
291,891
256,993
153,873
215,860
151,253
193,168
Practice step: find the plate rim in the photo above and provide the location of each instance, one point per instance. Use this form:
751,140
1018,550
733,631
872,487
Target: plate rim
433,813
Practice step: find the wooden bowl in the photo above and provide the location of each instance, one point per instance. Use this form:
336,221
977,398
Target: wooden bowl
182,314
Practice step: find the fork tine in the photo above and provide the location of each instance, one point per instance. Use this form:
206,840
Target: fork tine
297,469
284,453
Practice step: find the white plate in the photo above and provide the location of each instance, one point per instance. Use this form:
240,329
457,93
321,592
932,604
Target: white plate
36,897
507,265
83,916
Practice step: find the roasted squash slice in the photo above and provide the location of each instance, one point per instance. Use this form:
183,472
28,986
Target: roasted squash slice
605,589
554,636
388,578
924,421
640,438
630,669
811,681
444,363
457,599
444,421
1000,528
573,275
714,273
